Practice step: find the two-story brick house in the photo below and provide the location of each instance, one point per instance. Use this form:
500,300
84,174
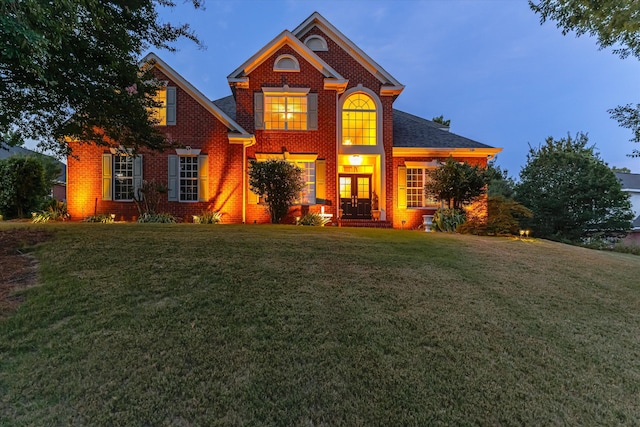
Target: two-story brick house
309,96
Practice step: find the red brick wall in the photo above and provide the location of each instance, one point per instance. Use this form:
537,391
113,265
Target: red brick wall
413,216
321,141
195,127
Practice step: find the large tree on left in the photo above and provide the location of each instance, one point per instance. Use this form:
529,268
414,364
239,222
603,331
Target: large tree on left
69,69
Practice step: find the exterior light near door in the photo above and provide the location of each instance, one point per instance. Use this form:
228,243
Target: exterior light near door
355,160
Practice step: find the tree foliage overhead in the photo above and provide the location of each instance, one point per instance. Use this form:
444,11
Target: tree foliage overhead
456,183
615,23
572,193
70,67
440,119
279,182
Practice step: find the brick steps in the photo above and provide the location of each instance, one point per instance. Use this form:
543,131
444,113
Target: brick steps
366,223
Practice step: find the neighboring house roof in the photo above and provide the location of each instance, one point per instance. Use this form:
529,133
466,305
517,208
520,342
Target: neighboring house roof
415,132
631,184
341,40
630,181
21,151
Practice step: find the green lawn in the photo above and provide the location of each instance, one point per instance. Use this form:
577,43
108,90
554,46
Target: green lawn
281,325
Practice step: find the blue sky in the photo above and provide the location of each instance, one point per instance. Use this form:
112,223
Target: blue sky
488,65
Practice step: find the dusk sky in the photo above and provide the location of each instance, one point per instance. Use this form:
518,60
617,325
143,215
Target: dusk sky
488,65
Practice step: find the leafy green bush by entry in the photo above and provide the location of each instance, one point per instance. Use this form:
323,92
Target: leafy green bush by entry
448,220
164,218
314,219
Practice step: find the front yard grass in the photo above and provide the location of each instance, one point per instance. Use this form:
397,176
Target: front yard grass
144,324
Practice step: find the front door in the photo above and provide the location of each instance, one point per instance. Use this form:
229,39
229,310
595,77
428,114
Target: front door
355,196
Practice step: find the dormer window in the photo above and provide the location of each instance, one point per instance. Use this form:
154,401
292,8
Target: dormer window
316,43
287,63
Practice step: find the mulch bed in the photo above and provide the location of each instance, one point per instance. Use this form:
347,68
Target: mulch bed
17,267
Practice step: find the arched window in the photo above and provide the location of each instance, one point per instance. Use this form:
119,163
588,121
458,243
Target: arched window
359,120
316,43
286,63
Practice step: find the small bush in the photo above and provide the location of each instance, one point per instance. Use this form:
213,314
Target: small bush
503,218
55,211
314,219
448,220
164,218
627,249
102,218
208,217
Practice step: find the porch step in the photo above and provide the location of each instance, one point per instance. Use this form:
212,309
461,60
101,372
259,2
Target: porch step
368,223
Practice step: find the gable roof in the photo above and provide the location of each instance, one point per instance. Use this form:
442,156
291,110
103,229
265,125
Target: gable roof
154,60
411,131
284,38
317,20
630,181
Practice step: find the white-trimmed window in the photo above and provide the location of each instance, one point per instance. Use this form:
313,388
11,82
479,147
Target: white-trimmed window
308,194
416,194
285,112
313,174
286,109
188,177
286,63
316,43
165,114
121,175
359,121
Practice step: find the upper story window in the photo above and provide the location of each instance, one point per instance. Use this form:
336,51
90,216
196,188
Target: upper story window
165,113
285,112
286,109
286,63
316,43
359,120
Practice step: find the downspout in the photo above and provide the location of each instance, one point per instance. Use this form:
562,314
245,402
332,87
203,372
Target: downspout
244,183
336,194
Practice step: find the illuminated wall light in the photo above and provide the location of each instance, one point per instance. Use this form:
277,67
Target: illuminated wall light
355,160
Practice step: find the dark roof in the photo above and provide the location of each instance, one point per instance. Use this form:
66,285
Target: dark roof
408,130
415,132
20,151
227,105
636,222
629,181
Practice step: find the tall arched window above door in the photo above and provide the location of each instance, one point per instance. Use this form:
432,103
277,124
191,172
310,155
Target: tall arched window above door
359,121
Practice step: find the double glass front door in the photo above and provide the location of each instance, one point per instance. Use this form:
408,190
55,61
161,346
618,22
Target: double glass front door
355,196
